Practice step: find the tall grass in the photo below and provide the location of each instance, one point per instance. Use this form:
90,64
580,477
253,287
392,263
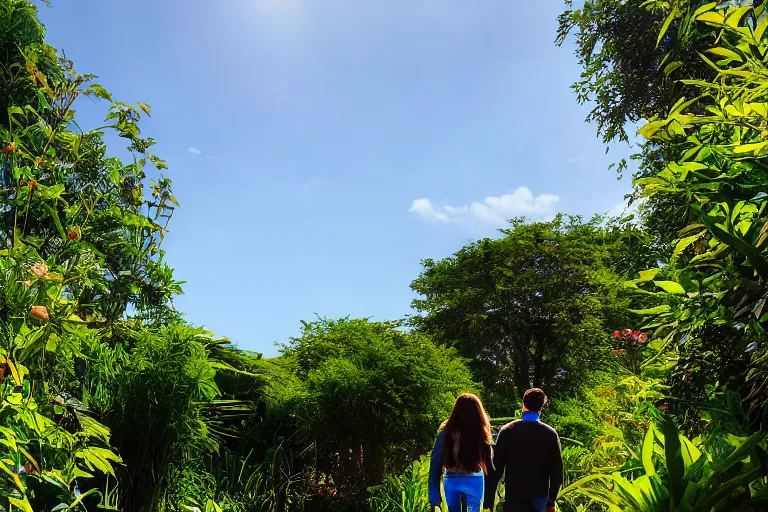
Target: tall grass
246,485
407,492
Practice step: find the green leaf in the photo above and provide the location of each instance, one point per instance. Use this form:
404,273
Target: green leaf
725,52
682,105
41,99
80,498
754,147
689,451
56,221
647,452
700,83
685,242
146,108
760,30
158,162
648,275
735,18
99,92
674,457
650,129
709,62
14,398
712,17
664,308
752,253
23,503
704,8
670,287
14,110
674,13
671,67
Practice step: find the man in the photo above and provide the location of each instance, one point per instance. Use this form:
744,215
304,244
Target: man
529,451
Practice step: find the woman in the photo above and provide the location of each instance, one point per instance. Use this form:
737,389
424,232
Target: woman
463,450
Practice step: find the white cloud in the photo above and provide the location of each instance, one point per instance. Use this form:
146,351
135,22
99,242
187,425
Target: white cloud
424,208
194,150
494,210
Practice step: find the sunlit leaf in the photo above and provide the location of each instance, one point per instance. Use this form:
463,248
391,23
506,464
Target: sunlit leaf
670,287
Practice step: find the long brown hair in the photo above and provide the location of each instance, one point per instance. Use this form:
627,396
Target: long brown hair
467,437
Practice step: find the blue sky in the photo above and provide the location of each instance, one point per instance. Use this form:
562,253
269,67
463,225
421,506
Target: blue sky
321,149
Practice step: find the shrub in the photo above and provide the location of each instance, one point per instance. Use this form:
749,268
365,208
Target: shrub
375,396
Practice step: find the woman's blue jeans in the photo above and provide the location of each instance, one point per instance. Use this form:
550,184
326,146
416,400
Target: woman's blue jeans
470,485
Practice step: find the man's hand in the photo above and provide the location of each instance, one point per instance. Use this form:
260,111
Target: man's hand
437,508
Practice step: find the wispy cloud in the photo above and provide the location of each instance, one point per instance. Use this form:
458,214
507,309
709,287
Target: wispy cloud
493,210
194,150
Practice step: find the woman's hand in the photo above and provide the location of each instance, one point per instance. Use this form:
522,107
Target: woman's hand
437,508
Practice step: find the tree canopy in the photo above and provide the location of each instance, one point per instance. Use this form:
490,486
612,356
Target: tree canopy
528,309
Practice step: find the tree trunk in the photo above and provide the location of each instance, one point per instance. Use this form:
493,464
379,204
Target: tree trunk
522,369
538,365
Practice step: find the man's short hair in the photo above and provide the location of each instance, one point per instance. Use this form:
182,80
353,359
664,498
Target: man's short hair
534,400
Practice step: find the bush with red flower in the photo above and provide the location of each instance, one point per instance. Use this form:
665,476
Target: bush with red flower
628,346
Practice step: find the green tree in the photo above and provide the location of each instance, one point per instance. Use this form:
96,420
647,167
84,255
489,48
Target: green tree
20,30
631,73
531,308
374,395
64,196
80,266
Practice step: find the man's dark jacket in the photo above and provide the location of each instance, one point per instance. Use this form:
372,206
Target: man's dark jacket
529,452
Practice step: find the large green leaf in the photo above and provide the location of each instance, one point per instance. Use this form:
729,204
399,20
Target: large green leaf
647,452
674,459
670,287
648,275
683,243
664,308
674,13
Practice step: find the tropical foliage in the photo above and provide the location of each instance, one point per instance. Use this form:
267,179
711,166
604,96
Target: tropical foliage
649,334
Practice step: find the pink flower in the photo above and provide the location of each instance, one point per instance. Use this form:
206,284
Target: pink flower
628,332
642,338
616,334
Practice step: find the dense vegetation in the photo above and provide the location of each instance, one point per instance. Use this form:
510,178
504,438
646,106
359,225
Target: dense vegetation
650,336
